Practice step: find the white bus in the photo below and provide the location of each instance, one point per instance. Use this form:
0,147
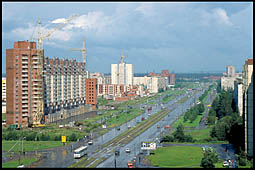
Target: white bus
79,152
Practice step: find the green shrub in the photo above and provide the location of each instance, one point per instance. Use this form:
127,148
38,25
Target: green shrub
73,137
188,138
242,162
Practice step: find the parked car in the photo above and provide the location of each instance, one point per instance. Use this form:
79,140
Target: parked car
21,166
90,142
225,163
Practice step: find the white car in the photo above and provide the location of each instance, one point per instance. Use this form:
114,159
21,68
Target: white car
225,163
128,150
21,166
90,142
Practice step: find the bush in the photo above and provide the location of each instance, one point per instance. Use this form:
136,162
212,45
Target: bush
12,135
242,162
167,138
44,137
57,138
188,138
31,136
73,137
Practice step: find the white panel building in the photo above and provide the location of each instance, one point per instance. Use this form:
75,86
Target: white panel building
129,74
122,74
114,73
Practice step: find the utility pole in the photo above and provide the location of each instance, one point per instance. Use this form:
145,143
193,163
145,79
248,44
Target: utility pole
115,163
19,151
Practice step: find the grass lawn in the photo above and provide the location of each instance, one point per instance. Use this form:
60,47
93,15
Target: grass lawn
177,157
186,124
15,164
167,99
219,164
123,117
201,134
248,165
30,145
151,102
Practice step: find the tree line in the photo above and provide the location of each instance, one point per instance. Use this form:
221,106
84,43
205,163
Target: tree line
192,113
225,117
35,136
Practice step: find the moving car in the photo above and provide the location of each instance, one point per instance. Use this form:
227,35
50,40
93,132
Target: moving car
128,150
90,142
167,126
130,164
118,128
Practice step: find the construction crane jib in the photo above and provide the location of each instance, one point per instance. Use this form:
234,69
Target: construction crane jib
83,50
37,116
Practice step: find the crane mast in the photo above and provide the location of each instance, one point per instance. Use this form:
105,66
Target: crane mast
37,116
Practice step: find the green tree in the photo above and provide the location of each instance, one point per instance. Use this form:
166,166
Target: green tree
179,133
210,158
211,120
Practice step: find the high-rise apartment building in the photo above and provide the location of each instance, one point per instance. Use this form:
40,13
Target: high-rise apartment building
62,83
250,119
114,73
91,92
129,74
247,78
122,74
3,89
24,85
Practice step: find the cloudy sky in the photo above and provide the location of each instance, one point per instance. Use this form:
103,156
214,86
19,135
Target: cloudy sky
180,37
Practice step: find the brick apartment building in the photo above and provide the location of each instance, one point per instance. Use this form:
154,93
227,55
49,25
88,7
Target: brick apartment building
91,89
62,85
22,64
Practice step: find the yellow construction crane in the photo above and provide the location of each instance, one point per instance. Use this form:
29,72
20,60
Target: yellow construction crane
38,115
122,57
83,50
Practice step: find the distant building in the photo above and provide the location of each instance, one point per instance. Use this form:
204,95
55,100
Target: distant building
230,70
227,83
108,79
91,92
238,95
129,74
172,79
114,74
153,84
122,74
